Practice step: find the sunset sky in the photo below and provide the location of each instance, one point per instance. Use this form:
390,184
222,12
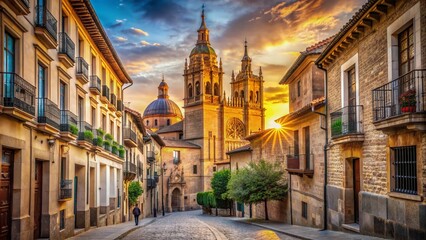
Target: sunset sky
153,37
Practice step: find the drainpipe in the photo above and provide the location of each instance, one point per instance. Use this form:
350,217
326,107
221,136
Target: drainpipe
325,145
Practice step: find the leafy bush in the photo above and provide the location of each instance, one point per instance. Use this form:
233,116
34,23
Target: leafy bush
121,152
108,137
135,190
114,149
73,129
100,132
114,143
336,127
206,199
88,135
107,145
97,141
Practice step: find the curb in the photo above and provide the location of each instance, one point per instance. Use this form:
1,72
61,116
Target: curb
276,230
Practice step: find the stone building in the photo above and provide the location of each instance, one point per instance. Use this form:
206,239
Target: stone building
376,182
214,124
304,125
61,79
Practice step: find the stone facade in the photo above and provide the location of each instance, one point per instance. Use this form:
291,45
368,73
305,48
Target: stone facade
377,133
50,106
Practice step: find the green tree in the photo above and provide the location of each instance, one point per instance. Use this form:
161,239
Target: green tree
259,182
219,184
135,190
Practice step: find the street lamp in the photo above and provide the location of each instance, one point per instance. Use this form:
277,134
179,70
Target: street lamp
163,172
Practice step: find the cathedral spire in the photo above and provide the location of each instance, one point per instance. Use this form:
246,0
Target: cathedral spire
245,48
246,60
203,31
163,89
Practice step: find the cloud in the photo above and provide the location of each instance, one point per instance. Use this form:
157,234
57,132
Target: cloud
145,43
120,39
277,98
118,23
135,31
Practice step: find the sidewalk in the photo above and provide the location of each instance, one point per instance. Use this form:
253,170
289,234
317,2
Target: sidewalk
114,231
306,233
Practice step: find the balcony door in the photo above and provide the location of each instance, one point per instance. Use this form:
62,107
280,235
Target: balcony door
352,114
41,89
308,164
8,65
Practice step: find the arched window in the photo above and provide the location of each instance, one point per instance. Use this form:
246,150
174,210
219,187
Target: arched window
216,89
251,96
197,89
190,90
242,94
236,94
168,122
257,96
155,122
147,122
208,88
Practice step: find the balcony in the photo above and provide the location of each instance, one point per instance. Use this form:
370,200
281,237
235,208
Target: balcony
140,145
66,53
82,71
68,126
129,171
300,164
65,190
120,107
17,96
85,135
347,125
129,136
95,85
113,103
46,27
150,156
48,116
401,103
19,7
151,183
105,94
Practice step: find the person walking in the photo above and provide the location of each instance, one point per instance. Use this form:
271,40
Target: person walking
136,213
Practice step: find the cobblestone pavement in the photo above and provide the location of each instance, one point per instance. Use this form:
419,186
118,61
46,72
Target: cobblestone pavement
195,225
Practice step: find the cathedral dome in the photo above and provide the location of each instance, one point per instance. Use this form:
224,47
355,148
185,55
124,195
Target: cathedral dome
162,107
203,49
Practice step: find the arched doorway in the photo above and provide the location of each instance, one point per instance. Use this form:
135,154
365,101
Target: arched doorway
176,200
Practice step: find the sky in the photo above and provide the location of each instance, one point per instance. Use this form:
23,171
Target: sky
153,37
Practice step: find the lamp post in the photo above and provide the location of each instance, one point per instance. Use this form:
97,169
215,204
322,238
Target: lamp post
163,172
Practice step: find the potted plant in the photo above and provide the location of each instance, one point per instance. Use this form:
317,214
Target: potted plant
73,129
88,135
408,101
97,141
100,132
336,127
121,152
108,137
107,145
114,149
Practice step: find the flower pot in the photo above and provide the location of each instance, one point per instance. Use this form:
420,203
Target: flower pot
408,109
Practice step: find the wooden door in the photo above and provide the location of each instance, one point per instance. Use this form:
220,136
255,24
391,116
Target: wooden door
357,188
38,180
6,179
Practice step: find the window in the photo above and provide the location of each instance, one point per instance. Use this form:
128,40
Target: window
257,96
194,169
147,122
404,170
111,128
308,164
103,122
93,65
350,82
64,25
180,135
296,143
406,50
176,157
190,90
236,94
9,53
168,122
41,81
299,88
62,220
118,134
197,89
80,110
216,89
304,210
155,122
351,87
62,96
214,168
242,94
208,88
251,96
63,167
103,76
93,117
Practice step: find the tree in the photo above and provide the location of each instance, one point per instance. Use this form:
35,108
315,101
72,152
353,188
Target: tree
135,190
259,182
219,184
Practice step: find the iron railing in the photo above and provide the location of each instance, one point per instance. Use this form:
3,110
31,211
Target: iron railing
105,91
66,189
95,83
68,120
403,95
66,45
129,134
113,99
129,167
83,69
150,156
404,170
48,112
294,161
83,129
151,183
16,92
140,145
119,105
347,120
46,20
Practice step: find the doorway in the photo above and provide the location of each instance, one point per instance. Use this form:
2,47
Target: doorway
356,188
176,200
38,177
75,199
6,183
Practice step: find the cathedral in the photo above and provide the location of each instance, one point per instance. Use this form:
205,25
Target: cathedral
213,122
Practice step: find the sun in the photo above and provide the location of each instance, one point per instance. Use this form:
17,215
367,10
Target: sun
273,124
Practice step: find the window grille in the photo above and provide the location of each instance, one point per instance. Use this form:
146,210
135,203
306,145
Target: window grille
404,170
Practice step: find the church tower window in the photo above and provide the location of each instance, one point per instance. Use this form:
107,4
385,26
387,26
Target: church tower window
190,90
208,88
197,89
168,122
155,122
242,94
216,89
251,96
236,94
257,96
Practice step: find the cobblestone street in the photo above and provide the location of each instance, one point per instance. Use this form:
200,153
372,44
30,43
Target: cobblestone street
194,225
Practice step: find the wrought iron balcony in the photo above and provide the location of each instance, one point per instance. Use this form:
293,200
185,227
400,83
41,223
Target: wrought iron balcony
347,121
120,105
140,145
46,26
66,189
95,85
401,102
48,113
66,50
129,170
300,164
17,94
151,183
68,124
113,102
105,94
85,132
130,138
82,70
150,156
